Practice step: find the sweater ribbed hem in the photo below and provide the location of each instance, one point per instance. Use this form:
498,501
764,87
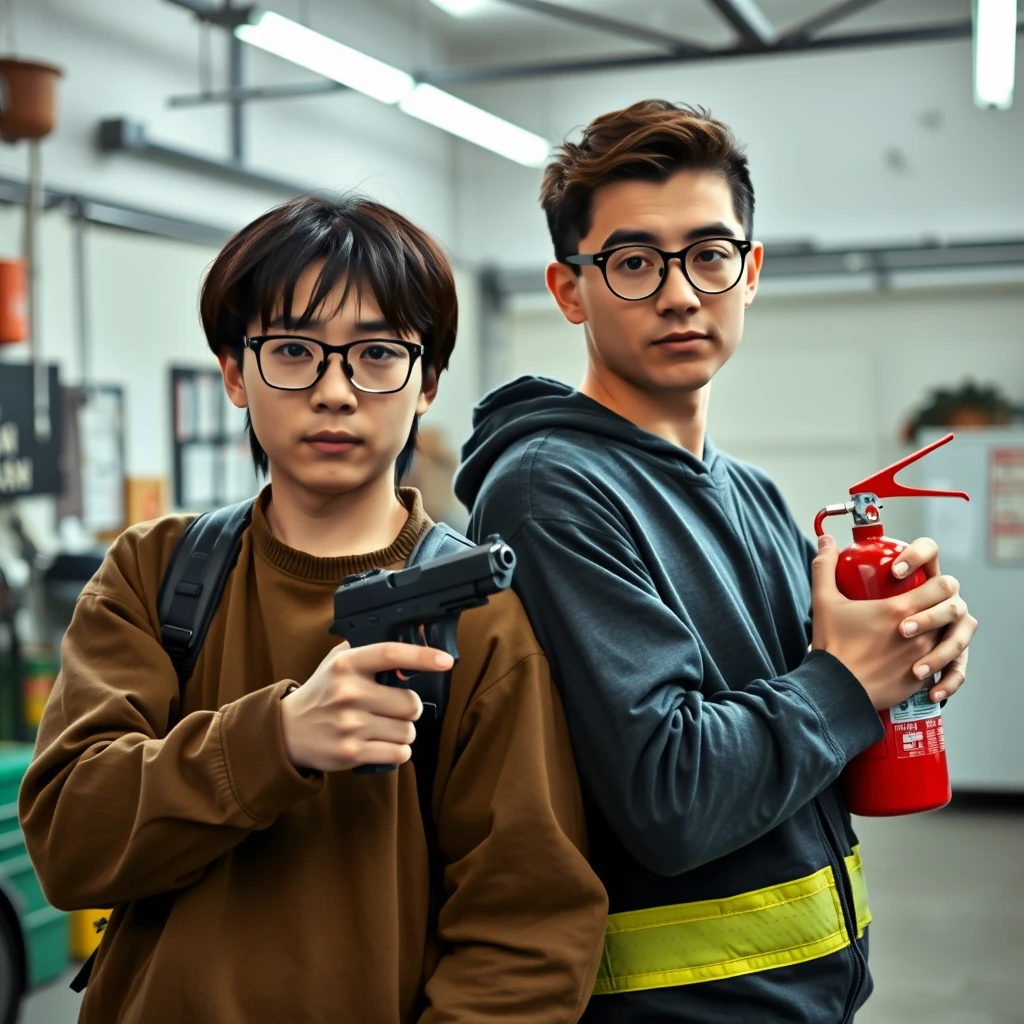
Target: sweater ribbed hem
333,570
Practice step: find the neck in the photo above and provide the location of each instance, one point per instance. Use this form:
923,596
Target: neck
335,525
679,417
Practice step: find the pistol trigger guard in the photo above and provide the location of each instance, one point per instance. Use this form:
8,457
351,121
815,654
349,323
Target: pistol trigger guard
432,687
442,635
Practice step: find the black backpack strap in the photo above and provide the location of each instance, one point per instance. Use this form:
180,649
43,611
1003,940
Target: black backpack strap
194,581
192,586
439,541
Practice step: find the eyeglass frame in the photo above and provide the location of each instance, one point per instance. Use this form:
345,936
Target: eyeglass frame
257,341
600,260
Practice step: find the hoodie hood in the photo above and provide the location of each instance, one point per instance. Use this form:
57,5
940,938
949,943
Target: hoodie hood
534,405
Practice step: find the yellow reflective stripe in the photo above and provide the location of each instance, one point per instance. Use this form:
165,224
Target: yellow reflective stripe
779,925
860,890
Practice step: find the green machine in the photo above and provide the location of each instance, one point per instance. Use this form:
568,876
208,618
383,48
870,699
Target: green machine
33,935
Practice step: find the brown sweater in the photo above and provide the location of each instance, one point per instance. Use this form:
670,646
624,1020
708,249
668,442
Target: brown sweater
247,893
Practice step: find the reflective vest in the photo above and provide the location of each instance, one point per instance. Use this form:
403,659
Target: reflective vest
776,926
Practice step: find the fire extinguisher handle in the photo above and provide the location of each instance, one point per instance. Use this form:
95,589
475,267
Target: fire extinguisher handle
883,484
830,510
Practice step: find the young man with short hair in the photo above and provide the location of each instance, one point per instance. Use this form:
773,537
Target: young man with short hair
255,877
672,591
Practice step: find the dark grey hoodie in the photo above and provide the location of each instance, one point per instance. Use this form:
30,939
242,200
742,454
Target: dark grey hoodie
672,596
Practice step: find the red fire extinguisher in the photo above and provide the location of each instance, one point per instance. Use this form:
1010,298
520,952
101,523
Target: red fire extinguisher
906,771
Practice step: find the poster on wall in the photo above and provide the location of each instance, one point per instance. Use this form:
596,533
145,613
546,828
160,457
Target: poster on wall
212,461
1006,496
28,465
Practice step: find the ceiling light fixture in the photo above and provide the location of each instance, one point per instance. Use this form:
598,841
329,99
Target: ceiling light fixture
995,44
294,42
458,8
443,110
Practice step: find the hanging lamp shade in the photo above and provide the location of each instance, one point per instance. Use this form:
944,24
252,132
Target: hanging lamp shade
28,99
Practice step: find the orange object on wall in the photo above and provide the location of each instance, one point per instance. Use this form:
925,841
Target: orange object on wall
145,499
29,108
13,322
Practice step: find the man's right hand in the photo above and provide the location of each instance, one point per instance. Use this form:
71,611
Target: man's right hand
866,635
341,717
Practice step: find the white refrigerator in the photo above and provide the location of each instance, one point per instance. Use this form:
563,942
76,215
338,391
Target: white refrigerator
982,544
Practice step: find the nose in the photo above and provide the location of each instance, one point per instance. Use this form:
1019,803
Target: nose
334,390
677,292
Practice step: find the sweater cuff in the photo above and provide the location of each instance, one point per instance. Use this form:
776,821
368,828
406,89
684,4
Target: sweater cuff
263,780
836,694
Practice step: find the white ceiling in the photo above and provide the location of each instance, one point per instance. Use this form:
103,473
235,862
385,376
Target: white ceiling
501,32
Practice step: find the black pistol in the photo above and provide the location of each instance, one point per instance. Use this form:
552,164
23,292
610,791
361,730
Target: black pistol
420,605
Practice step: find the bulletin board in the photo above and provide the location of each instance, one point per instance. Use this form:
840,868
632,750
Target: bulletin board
1006,497
93,454
212,461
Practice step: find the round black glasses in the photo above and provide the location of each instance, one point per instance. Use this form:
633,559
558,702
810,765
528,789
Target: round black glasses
634,272
377,366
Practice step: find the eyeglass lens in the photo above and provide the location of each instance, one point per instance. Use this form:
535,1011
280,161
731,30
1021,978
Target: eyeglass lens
294,363
635,272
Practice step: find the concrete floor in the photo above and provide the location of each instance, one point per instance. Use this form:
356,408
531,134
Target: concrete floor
947,943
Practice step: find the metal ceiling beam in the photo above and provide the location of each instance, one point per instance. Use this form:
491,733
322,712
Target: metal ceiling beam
119,135
295,90
850,41
812,26
225,15
623,29
119,215
749,21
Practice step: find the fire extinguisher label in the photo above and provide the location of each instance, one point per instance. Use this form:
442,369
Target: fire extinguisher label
917,726
916,707
916,739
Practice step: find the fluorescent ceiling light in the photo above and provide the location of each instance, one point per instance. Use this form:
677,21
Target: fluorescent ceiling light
446,111
459,8
300,45
327,57
995,43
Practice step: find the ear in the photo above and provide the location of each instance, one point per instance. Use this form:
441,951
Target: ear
428,392
755,258
564,286
234,385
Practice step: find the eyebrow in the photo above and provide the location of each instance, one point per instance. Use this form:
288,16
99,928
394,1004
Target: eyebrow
362,327
627,236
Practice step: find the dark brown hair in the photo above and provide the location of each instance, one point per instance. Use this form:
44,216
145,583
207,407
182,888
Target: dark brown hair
648,141
359,241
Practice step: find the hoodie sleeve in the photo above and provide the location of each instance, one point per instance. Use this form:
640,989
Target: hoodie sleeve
683,778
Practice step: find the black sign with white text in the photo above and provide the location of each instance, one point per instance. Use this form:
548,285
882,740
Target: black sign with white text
27,465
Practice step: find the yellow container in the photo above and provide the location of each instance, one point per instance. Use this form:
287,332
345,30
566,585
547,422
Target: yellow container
86,931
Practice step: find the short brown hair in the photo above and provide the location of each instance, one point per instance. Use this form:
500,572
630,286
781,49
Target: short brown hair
358,240
648,141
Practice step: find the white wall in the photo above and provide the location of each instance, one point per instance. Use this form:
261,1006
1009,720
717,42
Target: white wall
126,57
821,385
142,319
817,129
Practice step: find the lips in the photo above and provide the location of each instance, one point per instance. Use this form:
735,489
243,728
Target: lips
681,337
332,442
333,437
